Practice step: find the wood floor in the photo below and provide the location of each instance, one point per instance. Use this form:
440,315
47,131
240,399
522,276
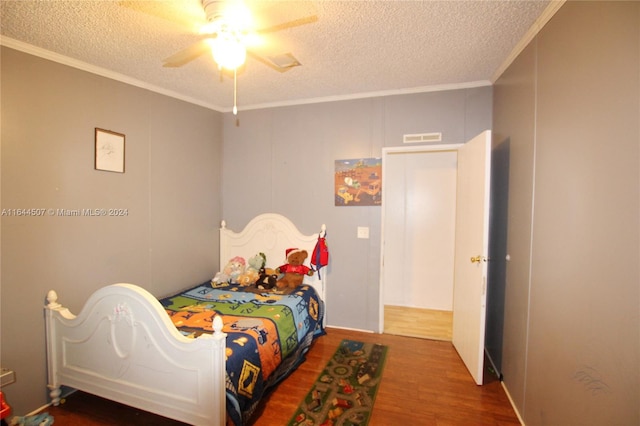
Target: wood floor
415,322
424,383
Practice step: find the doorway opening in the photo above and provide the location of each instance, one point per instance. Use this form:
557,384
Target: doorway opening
419,207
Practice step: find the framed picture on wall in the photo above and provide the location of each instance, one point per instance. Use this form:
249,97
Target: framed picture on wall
358,182
109,154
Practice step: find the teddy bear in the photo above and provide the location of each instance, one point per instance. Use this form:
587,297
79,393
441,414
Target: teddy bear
267,279
252,271
232,270
294,270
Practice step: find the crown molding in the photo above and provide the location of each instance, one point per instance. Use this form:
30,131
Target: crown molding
74,63
533,31
378,94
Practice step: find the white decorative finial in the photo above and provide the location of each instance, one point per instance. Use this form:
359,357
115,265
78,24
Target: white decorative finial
52,299
223,224
217,324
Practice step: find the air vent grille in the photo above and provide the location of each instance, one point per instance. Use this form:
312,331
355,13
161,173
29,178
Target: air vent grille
423,137
285,60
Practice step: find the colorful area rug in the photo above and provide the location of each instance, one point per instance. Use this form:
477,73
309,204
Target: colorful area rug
345,391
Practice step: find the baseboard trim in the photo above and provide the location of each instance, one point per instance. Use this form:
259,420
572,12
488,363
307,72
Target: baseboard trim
513,405
350,329
45,406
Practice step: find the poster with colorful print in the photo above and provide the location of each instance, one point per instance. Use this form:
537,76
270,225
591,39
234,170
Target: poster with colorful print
358,182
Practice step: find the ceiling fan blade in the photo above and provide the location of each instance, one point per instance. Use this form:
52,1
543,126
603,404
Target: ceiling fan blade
269,63
290,24
187,55
188,14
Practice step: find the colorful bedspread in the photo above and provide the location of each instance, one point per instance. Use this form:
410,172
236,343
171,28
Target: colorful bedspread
268,334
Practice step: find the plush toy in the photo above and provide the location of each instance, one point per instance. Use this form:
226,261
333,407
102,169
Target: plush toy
42,419
231,272
267,279
252,271
294,271
248,277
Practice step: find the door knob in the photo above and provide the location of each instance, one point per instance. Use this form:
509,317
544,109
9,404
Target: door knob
478,259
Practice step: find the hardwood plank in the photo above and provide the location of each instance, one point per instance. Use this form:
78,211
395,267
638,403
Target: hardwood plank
89,410
416,322
424,383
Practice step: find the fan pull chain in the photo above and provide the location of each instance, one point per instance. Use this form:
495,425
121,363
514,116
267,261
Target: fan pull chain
235,91
235,96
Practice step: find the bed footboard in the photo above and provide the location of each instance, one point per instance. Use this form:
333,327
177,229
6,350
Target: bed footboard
122,346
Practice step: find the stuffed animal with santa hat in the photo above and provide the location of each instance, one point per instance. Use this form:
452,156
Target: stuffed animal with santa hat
294,270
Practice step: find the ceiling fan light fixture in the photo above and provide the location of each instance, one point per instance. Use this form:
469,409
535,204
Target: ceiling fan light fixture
238,15
228,51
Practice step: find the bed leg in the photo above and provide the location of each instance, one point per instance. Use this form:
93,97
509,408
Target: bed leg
52,305
54,393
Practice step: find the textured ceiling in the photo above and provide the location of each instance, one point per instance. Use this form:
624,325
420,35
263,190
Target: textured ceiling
354,49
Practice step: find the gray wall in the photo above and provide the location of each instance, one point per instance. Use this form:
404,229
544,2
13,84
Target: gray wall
282,160
568,108
171,189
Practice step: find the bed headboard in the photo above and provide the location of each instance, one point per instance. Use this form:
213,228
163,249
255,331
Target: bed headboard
271,234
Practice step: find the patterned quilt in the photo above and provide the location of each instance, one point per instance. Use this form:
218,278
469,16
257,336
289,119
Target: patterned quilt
268,334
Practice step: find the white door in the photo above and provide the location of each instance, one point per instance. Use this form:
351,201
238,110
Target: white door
471,250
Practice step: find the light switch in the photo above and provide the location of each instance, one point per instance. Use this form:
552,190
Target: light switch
363,232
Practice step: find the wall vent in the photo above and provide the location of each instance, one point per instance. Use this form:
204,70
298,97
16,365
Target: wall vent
423,137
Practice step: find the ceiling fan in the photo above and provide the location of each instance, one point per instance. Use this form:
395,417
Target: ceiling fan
228,30
229,33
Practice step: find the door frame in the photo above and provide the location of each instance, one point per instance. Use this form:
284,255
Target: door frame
385,153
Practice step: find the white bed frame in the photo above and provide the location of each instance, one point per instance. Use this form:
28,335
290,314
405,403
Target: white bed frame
123,346
271,234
